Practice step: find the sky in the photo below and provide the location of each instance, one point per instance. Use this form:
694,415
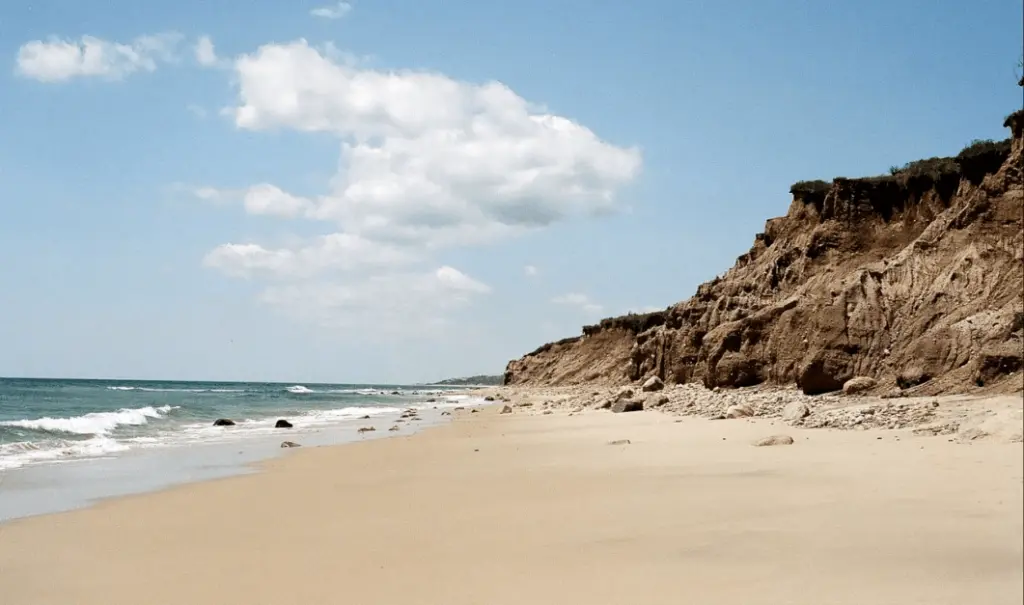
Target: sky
406,190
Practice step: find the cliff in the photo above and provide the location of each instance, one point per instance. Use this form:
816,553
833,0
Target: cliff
915,278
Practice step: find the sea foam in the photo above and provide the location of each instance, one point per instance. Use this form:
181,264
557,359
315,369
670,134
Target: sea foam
96,423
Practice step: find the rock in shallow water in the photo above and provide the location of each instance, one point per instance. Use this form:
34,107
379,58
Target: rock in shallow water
282,424
223,422
290,444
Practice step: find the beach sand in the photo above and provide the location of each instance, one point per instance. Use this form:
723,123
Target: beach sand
536,509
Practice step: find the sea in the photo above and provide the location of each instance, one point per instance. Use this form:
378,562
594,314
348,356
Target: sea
68,443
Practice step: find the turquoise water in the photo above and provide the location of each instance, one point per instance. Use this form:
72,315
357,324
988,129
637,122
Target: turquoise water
50,421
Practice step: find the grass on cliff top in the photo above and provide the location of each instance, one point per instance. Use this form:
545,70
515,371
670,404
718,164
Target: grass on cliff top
974,162
632,322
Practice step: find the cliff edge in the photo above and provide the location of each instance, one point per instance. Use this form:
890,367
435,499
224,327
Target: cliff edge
915,279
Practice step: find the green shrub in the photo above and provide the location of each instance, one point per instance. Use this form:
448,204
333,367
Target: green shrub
982,157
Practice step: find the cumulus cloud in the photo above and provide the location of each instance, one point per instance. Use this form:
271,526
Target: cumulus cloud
426,162
530,271
420,148
334,11
579,301
59,60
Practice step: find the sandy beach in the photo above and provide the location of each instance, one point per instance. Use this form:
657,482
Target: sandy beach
544,508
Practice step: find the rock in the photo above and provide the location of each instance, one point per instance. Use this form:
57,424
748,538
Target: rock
290,444
507,409
656,401
626,393
619,442
395,393
282,424
858,384
459,408
474,411
431,400
774,440
395,428
826,372
547,412
367,429
489,398
739,411
996,363
366,417
627,405
911,377
653,384
223,422
446,413
795,411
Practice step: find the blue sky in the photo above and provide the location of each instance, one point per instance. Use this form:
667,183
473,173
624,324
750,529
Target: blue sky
418,189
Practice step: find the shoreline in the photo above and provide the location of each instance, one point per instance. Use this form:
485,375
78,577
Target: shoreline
535,507
55,487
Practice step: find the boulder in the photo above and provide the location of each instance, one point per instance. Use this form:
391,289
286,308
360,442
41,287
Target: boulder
625,393
741,410
619,442
223,422
395,428
290,444
656,401
774,440
489,398
282,424
912,376
993,364
653,384
627,405
507,409
795,411
367,429
859,384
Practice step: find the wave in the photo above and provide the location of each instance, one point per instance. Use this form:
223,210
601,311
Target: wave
299,390
153,390
15,455
96,423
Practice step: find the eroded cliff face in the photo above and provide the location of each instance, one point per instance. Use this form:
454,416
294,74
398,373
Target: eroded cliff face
915,279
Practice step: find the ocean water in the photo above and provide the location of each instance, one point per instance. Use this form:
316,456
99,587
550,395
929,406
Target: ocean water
47,421
67,443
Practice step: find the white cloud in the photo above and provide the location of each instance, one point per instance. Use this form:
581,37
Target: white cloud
580,301
423,150
426,162
262,199
58,60
530,271
206,54
334,11
337,252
